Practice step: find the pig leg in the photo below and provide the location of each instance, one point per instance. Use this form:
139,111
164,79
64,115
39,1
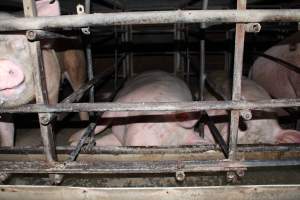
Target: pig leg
7,131
53,74
74,63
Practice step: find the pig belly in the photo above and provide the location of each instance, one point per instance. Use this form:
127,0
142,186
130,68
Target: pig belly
159,134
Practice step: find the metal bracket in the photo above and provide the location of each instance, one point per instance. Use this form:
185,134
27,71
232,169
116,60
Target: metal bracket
252,27
180,176
246,114
81,11
234,176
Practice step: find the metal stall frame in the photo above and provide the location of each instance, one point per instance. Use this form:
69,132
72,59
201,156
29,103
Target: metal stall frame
241,16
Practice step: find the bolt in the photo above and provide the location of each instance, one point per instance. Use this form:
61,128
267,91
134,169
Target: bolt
246,114
253,27
31,35
180,176
56,179
231,177
4,176
44,120
240,173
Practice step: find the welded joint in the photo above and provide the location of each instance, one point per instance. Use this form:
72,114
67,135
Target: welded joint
252,27
180,176
81,11
246,114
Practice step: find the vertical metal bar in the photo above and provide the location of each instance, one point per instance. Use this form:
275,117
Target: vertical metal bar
228,54
237,80
130,37
177,60
124,53
89,55
202,66
116,58
187,51
40,86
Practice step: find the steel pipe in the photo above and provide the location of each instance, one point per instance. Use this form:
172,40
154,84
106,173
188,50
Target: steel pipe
156,106
152,17
129,167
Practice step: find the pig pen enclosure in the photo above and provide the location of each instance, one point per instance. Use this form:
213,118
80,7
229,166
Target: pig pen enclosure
123,38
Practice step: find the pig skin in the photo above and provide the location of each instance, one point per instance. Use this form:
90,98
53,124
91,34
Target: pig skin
141,128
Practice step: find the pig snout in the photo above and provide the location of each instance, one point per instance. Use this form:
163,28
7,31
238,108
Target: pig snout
11,75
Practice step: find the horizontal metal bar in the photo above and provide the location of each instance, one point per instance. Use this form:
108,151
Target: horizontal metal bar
37,35
254,192
129,167
151,17
156,106
154,149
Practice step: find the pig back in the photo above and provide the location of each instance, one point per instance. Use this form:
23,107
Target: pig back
154,86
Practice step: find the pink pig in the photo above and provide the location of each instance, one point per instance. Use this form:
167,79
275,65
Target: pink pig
141,128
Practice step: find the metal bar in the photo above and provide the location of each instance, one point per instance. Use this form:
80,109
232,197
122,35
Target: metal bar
37,35
202,66
127,150
151,17
40,85
254,192
237,81
89,58
156,106
216,134
129,167
87,133
41,95
77,95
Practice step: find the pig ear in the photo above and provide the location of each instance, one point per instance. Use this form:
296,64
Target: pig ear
45,8
187,120
288,136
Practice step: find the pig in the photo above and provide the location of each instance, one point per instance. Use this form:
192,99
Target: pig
16,71
279,81
141,128
262,128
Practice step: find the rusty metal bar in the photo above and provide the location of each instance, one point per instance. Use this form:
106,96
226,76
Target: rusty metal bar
216,134
152,17
254,192
155,149
89,58
129,167
237,80
41,95
202,66
77,95
156,106
40,85
37,35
